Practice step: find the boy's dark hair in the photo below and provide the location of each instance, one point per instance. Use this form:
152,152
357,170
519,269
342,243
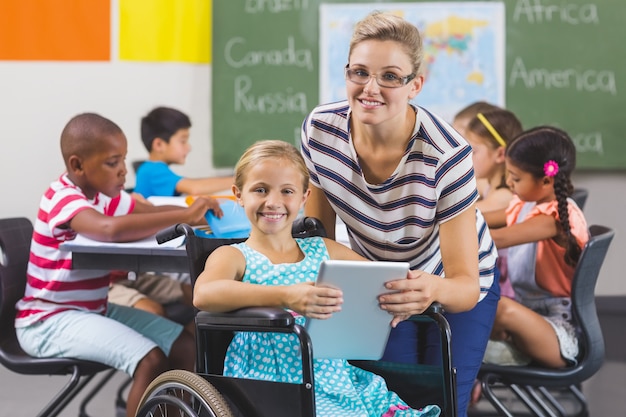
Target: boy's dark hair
162,122
84,132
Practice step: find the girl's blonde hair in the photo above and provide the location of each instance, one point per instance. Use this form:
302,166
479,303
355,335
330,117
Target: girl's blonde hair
270,150
389,27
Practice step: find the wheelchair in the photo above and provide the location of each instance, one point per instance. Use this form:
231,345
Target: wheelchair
209,393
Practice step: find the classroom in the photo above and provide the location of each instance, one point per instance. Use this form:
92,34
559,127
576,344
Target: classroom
131,63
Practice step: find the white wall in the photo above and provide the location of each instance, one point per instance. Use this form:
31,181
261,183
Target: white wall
607,206
37,99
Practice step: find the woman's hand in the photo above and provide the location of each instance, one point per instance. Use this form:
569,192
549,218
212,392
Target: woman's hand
409,296
318,302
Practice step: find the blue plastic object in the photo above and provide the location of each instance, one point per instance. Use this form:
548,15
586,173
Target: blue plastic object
233,224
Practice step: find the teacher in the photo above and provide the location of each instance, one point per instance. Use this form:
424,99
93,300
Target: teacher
402,181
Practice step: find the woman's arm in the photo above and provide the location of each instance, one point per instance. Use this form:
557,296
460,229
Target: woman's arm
317,206
458,291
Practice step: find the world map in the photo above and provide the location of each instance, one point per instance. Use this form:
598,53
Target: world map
463,51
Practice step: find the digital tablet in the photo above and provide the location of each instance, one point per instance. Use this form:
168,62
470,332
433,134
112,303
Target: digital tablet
360,330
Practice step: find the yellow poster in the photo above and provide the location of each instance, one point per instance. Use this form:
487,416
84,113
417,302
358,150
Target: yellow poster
165,30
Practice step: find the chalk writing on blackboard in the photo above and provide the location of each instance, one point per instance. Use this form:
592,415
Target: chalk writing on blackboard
274,6
237,55
287,101
589,80
535,11
590,142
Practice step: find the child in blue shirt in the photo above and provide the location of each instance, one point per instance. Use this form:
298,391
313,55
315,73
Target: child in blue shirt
165,134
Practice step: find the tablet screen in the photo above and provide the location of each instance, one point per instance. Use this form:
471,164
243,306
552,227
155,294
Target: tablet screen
360,330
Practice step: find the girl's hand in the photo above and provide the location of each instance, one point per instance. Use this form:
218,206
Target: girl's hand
318,302
409,296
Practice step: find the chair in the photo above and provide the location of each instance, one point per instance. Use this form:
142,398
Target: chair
136,164
15,236
532,384
258,398
580,197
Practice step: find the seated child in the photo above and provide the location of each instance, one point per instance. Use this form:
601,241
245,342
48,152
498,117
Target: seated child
64,312
461,121
545,232
165,134
488,133
271,268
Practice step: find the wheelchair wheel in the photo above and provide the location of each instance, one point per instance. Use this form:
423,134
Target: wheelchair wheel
182,393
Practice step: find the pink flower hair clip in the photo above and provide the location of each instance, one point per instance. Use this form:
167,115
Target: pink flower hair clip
551,168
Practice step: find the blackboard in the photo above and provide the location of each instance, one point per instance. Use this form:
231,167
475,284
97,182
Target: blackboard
564,65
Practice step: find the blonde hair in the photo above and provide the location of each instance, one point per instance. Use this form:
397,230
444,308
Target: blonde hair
270,149
389,27
471,110
505,123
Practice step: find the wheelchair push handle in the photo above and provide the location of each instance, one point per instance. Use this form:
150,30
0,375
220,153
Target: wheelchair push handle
173,232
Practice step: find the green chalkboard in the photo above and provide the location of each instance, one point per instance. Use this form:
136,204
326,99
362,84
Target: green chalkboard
564,65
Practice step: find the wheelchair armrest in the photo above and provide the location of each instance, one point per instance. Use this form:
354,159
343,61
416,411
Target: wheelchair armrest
434,308
433,311
256,317
173,232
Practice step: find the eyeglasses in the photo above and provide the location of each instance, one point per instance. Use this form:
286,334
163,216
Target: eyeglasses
387,79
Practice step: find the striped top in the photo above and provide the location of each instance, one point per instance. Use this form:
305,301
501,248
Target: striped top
52,285
397,220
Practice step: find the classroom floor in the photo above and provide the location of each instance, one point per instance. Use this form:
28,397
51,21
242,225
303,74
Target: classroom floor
24,395
605,393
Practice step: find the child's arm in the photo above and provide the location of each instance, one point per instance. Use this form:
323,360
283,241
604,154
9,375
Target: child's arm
219,288
495,218
496,200
144,206
199,186
537,228
135,226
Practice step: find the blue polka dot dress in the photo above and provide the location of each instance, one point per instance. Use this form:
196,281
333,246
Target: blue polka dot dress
341,390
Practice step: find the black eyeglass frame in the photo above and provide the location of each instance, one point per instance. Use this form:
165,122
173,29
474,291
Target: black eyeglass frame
405,80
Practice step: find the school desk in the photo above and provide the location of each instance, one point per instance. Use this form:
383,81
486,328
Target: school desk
141,256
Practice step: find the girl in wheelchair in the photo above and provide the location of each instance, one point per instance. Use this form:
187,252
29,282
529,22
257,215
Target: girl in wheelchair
271,268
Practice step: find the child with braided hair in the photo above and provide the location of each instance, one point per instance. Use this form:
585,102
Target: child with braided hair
545,232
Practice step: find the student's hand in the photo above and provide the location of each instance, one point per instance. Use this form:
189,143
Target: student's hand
213,204
198,209
140,198
318,302
409,296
